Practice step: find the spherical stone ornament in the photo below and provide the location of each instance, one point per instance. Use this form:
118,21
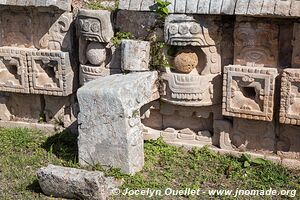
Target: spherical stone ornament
96,53
186,60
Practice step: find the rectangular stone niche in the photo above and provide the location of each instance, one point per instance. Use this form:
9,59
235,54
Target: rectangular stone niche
50,73
248,92
13,70
290,97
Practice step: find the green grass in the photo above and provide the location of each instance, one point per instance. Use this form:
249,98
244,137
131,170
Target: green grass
23,151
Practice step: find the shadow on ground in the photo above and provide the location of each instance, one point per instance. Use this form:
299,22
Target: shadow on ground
63,145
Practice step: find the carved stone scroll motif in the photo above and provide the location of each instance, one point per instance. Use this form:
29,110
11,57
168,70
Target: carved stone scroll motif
13,70
290,97
248,92
256,42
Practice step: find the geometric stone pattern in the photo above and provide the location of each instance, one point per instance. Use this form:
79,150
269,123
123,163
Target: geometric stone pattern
13,70
284,8
290,97
248,92
256,42
296,45
60,4
37,72
50,73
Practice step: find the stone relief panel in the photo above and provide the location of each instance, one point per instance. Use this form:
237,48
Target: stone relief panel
183,30
54,33
296,45
290,97
95,25
248,92
194,76
95,30
244,138
13,70
50,73
190,89
256,42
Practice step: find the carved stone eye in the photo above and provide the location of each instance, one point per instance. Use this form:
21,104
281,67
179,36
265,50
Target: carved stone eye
86,26
81,24
95,27
173,29
183,29
195,29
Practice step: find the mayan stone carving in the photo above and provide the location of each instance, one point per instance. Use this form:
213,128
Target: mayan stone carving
256,42
50,73
248,92
94,31
296,45
290,97
13,70
196,65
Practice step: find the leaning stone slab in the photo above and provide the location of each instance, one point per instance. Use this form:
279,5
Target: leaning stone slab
110,129
73,183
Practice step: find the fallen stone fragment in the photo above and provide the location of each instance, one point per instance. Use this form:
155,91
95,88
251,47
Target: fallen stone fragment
73,183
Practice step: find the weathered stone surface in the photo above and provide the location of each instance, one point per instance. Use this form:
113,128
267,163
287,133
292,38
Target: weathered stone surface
296,46
222,133
186,61
255,7
135,55
290,97
262,139
73,183
256,42
95,25
228,7
283,8
110,131
215,6
288,144
137,23
248,92
183,30
96,53
51,73
60,4
5,114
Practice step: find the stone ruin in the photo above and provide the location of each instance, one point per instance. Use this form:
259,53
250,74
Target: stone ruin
232,79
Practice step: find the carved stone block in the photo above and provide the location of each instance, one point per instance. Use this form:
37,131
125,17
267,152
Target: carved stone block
95,25
288,144
256,42
53,32
13,70
248,92
183,30
135,55
191,89
290,97
50,73
296,44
